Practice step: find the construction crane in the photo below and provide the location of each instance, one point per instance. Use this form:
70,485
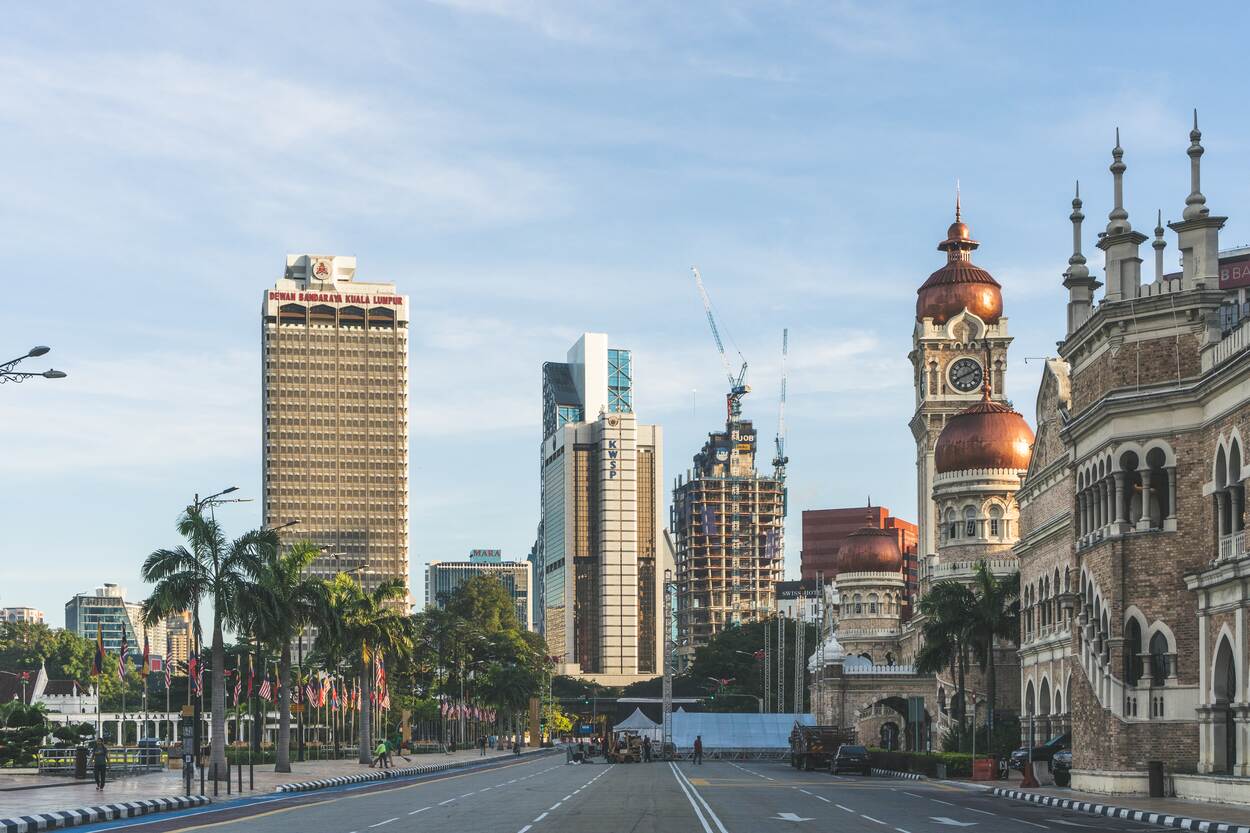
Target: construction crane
738,387
779,462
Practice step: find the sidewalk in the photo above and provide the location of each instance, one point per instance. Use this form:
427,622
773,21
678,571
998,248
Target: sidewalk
1169,812
50,794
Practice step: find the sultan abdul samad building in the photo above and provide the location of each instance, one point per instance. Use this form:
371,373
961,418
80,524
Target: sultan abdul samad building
1125,515
972,450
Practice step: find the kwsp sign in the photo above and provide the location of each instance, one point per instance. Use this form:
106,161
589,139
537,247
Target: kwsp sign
611,459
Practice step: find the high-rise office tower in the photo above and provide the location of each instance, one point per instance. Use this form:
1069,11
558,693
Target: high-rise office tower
443,579
601,552
335,399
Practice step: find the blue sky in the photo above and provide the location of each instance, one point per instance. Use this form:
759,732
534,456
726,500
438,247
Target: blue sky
526,171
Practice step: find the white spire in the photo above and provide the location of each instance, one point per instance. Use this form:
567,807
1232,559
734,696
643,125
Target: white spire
1195,203
1076,264
1159,245
1118,218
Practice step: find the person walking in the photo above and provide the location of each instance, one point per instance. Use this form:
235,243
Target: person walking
646,750
481,742
698,749
100,762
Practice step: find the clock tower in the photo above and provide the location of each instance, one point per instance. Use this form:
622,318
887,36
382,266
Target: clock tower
959,346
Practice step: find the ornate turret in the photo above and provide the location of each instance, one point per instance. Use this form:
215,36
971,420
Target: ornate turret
1120,242
959,285
1077,280
1198,233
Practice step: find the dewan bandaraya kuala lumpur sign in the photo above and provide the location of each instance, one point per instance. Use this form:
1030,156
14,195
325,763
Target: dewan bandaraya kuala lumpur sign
335,298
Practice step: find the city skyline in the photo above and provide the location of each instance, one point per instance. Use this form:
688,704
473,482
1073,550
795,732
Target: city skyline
156,322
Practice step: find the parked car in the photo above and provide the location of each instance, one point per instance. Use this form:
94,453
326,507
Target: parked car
1045,752
850,758
1061,767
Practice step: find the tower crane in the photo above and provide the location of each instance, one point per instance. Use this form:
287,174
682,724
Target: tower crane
738,387
779,461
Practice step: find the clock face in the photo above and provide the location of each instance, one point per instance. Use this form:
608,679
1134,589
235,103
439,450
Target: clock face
965,375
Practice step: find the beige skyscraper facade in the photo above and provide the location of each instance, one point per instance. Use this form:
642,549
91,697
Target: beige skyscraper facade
335,401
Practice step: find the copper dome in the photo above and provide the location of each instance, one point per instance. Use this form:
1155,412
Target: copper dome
988,435
959,285
870,550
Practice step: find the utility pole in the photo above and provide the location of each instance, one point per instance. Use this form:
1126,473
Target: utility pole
670,660
800,654
781,662
768,666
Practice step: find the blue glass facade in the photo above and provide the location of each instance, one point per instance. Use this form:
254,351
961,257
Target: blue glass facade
620,382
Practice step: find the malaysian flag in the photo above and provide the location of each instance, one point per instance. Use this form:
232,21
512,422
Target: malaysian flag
709,520
97,664
121,659
238,680
147,658
265,689
311,693
169,673
199,676
334,696
251,676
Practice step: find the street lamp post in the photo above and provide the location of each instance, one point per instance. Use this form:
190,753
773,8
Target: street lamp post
9,373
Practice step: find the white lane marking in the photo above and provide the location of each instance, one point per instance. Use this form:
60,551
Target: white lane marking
540,818
388,821
422,810
975,810
1033,823
940,801
697,812
554,806
711,813
485,789
466,795
803,791
448,801
844,807
567,797
870,818
822,798
901,830
523,829
913,795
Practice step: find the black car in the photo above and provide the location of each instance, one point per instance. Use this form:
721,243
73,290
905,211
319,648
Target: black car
850,759
1061,767
1045,752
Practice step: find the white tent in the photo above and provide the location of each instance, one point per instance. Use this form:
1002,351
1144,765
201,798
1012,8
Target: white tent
641,724
736,730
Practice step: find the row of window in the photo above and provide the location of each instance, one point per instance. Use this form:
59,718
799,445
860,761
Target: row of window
967,524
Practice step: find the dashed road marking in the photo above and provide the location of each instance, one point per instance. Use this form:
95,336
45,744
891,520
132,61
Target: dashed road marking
448,801
870,818
388,821
844,807
940,801
554,806
540,818
822,798
422,810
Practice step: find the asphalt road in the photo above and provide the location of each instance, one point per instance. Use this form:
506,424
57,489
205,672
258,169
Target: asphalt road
544,795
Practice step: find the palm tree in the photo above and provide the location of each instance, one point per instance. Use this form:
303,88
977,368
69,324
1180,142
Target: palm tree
356,626
947,609
283,603
995,615
210,569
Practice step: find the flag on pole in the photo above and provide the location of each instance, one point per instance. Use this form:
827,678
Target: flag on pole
147,657
238,679
121,659
251,676
169,673
265,689
195,674
334,696
97,666
310,693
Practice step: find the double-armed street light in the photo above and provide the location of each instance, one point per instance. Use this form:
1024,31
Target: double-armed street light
8,373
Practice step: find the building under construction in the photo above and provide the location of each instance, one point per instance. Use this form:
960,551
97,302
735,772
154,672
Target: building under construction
728,524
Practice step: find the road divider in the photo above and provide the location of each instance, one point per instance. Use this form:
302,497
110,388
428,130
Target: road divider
105,812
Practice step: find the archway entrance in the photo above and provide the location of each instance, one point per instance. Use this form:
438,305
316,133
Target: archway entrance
1225,691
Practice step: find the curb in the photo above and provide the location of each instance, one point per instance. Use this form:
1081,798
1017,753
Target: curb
890,773
1161,819
388,774
105,812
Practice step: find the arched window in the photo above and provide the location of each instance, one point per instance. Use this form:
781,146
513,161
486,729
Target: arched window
996,521
1132,652
292,314
859,603
872,602
1159,661
970,522
381,317
352,317
321,314
952,525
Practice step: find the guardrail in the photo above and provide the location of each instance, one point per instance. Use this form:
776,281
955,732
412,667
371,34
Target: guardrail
121,761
